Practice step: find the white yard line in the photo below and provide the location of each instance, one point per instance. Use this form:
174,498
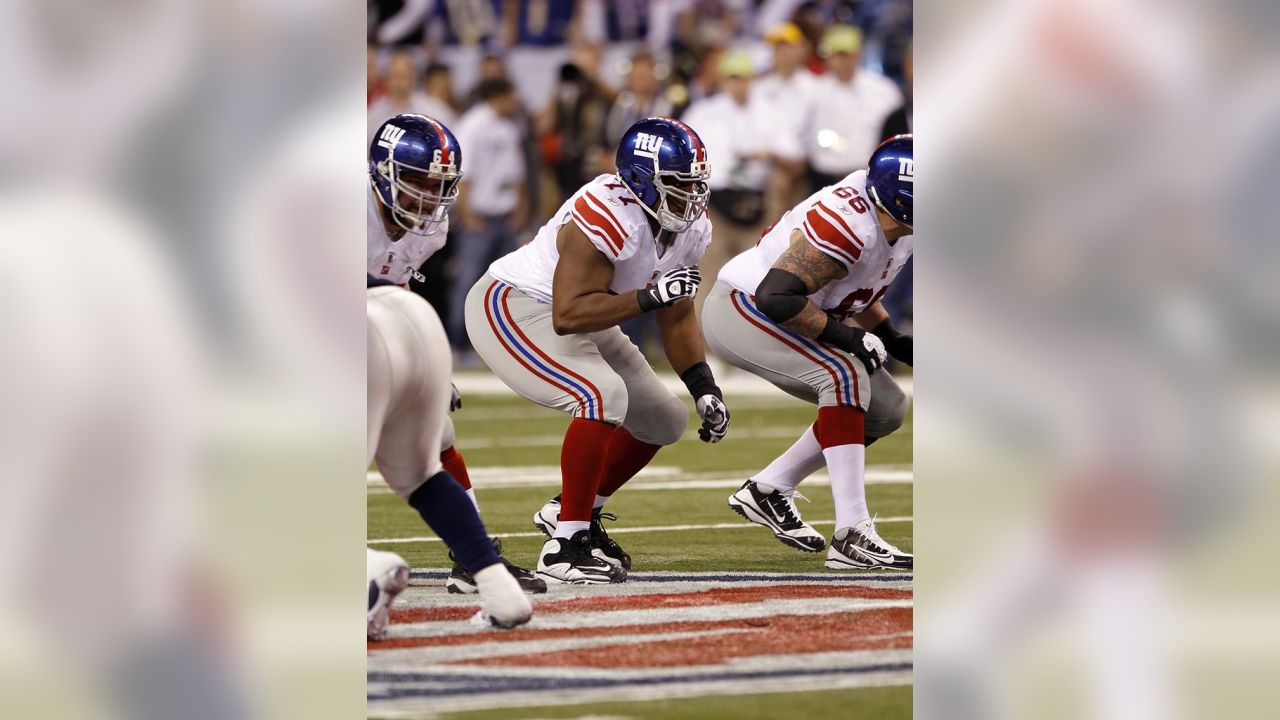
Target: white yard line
655,477
625,530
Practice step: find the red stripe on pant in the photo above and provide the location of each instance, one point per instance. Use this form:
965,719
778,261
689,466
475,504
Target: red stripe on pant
506,313
734,298
493,326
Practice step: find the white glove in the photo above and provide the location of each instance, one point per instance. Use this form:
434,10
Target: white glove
670,288
872,353
715,418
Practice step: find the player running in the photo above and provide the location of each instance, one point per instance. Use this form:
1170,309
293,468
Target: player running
779,310
545,319
414,168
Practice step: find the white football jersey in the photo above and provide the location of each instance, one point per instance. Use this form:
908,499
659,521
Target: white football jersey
396,260
840,221
612,219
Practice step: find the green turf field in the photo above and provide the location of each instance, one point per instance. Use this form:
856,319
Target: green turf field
500,432
873,703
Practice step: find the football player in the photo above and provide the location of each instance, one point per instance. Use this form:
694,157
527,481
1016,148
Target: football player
545,319
780,310
414,170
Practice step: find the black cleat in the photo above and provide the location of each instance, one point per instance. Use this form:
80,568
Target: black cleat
460,581
861,548
777,511
571,561
602,546
548,517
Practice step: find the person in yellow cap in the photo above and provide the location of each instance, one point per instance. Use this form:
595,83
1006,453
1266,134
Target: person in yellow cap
850,105
788,79
784,93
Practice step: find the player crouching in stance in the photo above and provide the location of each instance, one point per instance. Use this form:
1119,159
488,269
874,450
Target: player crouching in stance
777,310
545,319
413,166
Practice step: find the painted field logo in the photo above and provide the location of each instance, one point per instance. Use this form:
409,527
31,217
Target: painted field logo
681,633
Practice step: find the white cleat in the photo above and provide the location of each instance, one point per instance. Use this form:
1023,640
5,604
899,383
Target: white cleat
548,517
388,576
861,548
777,511
502,602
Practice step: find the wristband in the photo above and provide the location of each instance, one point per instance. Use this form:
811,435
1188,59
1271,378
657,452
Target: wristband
648,303
700,381
841,336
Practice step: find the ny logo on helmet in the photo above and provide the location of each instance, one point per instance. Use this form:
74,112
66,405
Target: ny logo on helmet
647,145
906,170
390,136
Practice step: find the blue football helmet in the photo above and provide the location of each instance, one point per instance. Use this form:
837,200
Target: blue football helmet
891,178
664,163
415,164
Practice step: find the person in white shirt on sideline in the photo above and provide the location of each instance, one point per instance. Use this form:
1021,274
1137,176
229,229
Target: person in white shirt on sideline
403,97
788,81
849,107
785,93
493,205
741,134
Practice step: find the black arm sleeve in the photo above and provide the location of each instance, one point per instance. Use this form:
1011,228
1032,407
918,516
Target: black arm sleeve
781,295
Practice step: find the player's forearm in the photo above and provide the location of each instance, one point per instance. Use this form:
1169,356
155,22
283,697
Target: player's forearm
783,297
681,337
871,317
592,312
810,322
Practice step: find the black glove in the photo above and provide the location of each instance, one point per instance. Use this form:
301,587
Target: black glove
455,399
857,342
897,344
671,287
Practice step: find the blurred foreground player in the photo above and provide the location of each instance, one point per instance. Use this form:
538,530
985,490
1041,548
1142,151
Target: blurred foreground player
545,320
414,171
779,309
408,404
413,174
388,576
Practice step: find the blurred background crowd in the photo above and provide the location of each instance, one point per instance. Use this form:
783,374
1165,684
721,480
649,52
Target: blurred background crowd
788,95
